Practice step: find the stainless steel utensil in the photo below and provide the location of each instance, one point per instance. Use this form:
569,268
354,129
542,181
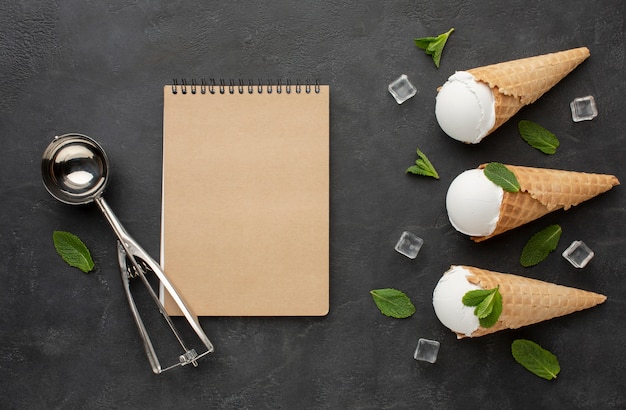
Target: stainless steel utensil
75,171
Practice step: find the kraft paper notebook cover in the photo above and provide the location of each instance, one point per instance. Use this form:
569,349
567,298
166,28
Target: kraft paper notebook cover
245,216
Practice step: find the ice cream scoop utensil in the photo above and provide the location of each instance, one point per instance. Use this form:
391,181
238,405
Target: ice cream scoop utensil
75,171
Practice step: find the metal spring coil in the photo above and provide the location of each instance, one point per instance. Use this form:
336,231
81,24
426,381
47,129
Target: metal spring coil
220,86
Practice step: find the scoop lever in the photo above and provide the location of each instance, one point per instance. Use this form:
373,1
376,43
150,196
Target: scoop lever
134,266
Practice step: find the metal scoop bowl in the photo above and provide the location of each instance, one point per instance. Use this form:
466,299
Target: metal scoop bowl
75,170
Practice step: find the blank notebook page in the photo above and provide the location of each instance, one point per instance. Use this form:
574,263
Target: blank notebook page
245,218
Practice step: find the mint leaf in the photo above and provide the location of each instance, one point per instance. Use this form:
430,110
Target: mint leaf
500,175
474,297
540,245
538,137
423,166
72,250
393,303
485,307
488,303
536,359
496,311
424,42
433,46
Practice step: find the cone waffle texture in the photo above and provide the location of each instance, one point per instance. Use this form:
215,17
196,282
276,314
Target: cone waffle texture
544,190
521,82
526,301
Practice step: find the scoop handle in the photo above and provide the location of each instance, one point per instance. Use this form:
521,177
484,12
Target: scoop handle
147,343
132,248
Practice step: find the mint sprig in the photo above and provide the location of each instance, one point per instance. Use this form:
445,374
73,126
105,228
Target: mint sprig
393,303
72,250
538,137
423,166
540,245
488,303
433,46
535,358
500,175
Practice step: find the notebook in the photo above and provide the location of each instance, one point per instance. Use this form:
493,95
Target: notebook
245,209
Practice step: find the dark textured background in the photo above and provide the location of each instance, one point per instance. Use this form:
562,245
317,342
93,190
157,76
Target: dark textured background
67,340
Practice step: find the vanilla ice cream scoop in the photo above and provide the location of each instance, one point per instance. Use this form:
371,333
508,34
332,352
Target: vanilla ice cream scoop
448,304
465,108
473,203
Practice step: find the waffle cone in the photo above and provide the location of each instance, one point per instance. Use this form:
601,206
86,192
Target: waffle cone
526,301
521,82
545,190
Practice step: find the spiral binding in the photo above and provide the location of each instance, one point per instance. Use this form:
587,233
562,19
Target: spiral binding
240,86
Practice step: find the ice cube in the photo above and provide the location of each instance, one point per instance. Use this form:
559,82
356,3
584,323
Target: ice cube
402,89
578,254
427,350
584,108
409,244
